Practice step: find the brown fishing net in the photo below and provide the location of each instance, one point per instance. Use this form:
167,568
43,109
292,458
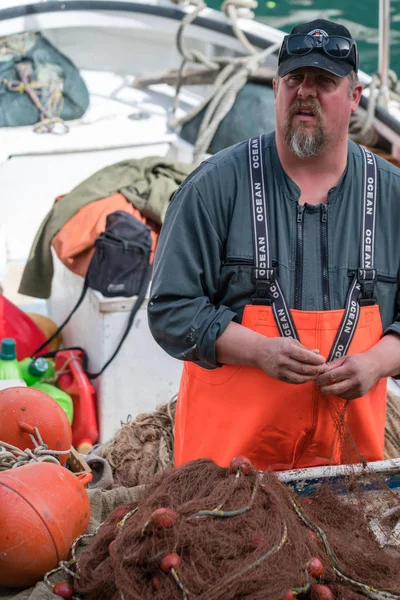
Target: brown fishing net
142,447
226,534
392,431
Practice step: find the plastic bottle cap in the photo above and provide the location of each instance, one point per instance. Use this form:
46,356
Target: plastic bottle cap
8,351
38,366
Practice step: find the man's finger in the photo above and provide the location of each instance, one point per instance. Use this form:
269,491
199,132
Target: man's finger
304,355
331,377
290,377
306,369
338,388
338,362
332,374
312,349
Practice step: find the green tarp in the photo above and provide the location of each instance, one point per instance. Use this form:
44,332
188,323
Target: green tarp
52,77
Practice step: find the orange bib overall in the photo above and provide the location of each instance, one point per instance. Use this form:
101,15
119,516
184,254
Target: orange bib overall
235,410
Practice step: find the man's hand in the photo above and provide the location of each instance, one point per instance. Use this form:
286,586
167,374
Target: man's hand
349,377
286,359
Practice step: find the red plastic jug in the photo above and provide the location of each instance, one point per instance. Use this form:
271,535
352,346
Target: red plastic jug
16,324
44,507
75,382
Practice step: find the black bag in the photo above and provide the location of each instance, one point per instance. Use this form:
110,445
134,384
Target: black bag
121,257
120,266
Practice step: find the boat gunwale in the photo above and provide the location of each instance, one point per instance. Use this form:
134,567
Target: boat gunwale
161,10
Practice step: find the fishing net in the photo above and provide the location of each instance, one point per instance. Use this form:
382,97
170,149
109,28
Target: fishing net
206,532
142,447
212,533
392,432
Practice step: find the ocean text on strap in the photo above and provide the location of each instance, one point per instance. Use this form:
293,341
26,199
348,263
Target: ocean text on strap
268,289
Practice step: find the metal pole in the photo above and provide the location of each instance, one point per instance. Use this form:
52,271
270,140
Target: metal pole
384,46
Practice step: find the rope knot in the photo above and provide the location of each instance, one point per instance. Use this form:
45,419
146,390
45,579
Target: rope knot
242,8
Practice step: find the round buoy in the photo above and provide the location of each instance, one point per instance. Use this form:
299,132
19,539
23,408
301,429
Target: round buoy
22,409
44,507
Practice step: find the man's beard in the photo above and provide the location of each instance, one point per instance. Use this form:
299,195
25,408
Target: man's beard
302,141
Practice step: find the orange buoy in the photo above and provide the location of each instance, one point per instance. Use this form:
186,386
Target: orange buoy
44,507
22,409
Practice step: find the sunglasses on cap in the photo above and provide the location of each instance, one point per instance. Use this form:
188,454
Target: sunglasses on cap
335,46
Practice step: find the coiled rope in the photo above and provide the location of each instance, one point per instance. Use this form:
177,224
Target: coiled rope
233,75
361,129
12,457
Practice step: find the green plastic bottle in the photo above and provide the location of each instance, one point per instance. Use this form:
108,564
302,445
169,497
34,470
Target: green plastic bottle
34,370
9,366
62,398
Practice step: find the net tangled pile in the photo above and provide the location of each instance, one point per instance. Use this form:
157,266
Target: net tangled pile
208,532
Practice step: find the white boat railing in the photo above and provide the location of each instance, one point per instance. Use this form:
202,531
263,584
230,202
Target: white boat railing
382,466
306,481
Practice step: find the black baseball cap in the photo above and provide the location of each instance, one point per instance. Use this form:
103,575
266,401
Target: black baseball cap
341,67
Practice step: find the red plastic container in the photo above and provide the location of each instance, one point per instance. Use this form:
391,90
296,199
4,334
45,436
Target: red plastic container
74,381
44,507
16,324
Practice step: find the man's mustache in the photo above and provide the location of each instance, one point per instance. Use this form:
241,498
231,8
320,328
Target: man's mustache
305,107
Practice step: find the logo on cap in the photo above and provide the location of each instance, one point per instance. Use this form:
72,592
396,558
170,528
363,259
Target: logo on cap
318,33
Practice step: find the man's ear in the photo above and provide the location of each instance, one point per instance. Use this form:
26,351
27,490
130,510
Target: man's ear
356,96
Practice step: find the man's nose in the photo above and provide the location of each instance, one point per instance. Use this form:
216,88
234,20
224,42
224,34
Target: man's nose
307,88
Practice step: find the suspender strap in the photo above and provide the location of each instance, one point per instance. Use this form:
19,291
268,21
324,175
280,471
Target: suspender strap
367,274
361,291
268,289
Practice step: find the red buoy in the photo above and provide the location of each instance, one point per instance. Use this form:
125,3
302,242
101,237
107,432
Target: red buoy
22,409
44,507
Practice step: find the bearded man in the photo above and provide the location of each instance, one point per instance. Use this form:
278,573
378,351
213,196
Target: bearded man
276,278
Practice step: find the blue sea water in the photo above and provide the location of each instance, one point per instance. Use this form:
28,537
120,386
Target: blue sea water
361,17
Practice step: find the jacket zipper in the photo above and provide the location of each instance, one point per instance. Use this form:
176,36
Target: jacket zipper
234,261
298,286
324,258
326,306
238,261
